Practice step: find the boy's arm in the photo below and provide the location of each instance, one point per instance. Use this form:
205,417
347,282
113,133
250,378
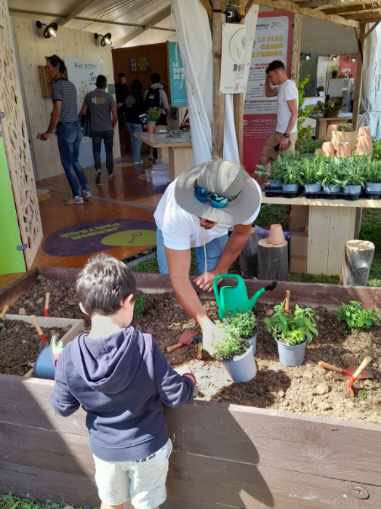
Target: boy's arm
174,389
62,399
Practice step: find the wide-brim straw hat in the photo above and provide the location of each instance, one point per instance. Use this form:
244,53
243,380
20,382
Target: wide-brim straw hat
227,180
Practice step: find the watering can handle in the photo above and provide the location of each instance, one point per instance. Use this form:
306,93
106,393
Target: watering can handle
216,281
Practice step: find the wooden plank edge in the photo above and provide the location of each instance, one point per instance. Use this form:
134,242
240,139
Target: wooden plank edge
12,292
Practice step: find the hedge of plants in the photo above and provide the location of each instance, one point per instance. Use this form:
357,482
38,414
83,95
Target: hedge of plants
350,176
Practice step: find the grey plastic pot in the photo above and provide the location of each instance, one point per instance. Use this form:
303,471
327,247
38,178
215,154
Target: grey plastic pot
352,189
373,187
276,184
331,189
312,188
290,188
291,355
242,368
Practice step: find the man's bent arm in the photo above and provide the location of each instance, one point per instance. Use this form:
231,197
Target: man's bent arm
55,116
293,107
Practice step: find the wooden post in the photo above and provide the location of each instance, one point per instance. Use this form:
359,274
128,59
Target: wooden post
358,81
358,261
218,19
272,261
296,47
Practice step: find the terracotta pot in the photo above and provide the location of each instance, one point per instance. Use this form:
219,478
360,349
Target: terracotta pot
328,149
365,131
276,235
344,149
330,130
151,127
364,146
344,137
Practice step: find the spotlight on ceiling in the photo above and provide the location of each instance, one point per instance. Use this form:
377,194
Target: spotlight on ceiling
353,59
308,57
48,31
103,40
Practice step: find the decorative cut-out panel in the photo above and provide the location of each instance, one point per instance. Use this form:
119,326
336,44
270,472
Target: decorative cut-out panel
17,144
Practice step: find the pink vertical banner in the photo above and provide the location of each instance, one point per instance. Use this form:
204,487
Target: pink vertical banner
273,41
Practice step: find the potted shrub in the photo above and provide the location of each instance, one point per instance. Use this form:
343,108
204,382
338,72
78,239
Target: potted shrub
278,168
290,177
373,178
311,173
354,175
292,330
243,324
153,115
356,317
237,357
331,177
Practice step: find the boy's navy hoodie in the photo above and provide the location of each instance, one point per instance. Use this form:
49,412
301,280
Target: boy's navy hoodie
122,382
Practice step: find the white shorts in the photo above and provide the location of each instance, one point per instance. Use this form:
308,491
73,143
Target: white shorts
142,483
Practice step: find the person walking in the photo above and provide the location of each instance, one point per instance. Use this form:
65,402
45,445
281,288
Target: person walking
156,97
284,138
64,121
121,92
101,108
134,110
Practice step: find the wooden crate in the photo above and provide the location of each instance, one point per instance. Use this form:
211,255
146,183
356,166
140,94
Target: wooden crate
225,456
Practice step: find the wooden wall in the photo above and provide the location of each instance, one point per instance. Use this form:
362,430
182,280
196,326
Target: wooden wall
156,55
226,456
32,50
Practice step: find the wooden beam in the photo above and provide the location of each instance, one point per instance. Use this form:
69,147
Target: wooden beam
350,9
80,7
366,16
286,5
218,19
372,28
359,76
153,20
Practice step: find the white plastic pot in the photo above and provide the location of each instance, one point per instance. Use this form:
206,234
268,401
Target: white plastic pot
312,188
373,187
242,368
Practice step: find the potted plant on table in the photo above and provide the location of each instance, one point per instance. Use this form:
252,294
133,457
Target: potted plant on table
290,177
353,175
244,325
331,177
373,178
236,354
292,330
311,173
153,115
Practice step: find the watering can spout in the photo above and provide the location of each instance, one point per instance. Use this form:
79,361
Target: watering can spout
269,288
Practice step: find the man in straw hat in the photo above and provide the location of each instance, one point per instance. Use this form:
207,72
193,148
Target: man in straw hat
196,211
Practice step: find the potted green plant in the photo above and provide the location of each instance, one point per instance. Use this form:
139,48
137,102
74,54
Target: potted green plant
331,176
373,178
243,324
354,175
236,355
311,173
290,177
292,330
356,317
278,168
153,115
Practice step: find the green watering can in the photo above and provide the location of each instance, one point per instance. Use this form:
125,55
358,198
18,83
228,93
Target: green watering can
234,299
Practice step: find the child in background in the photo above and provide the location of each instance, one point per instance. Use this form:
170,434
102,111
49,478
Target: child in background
122,380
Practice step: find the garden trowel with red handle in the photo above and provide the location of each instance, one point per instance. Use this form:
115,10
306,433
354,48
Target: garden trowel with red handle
187,338
361,373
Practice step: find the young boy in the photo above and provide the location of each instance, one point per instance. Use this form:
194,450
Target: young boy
122,380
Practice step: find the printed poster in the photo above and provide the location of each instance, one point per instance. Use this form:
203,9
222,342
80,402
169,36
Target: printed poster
273,41
237,50
178,97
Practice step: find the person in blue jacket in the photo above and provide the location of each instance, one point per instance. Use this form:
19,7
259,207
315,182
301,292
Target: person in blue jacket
120,378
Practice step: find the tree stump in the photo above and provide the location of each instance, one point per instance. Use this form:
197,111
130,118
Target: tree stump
358,261
272,261
248,256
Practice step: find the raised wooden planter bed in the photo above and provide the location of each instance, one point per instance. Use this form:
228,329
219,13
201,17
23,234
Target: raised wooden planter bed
226,456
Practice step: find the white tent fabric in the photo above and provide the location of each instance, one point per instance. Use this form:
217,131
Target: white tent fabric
371,93
195,41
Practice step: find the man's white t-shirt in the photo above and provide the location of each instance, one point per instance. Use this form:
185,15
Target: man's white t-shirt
287,91
181,230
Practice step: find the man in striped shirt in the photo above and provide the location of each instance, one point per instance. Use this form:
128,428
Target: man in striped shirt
64,121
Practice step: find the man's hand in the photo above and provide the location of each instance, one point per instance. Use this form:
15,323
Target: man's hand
43,136
284,143
205,281
211,335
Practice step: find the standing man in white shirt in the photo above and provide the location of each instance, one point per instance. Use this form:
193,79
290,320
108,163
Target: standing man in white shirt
196,211
286,131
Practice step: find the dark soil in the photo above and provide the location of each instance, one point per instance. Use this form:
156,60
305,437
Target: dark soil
19,346
307,389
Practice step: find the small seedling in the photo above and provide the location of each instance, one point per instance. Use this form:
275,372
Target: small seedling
242,324
230,347
362,394
294,327
356,317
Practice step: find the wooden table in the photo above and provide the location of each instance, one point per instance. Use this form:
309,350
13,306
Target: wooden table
322,124
330,223
176,150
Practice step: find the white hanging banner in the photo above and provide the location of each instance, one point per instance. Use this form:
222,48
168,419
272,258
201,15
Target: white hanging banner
237,47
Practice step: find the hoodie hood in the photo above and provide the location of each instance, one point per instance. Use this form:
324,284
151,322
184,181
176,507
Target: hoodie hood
109,364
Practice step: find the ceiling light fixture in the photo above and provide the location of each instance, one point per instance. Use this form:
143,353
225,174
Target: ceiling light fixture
103,40
48,31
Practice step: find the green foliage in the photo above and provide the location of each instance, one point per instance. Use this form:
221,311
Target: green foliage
362,394
357,317
304,112
242,324
230,347
140,303
373,171
153,114
286,169
292,328
376,156
306,145
11,502
345,128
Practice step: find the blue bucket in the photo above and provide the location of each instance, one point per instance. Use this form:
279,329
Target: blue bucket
291,355
44,366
